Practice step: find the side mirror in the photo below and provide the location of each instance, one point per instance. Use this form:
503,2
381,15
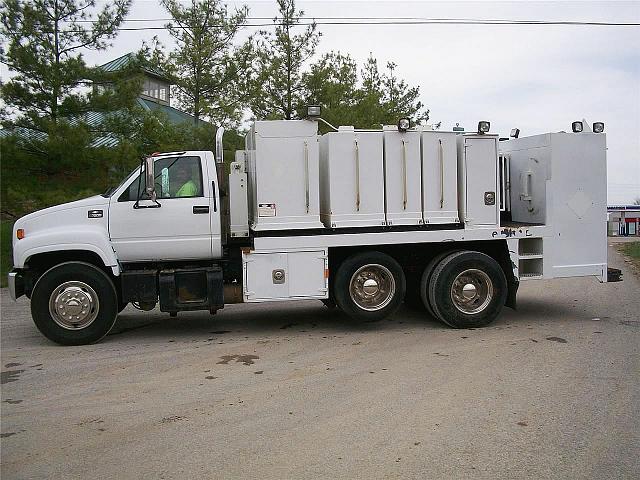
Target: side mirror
219,151
149,178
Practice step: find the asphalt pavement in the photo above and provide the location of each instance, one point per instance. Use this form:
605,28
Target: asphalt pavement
294,390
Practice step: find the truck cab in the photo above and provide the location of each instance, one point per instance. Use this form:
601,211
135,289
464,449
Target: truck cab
178,225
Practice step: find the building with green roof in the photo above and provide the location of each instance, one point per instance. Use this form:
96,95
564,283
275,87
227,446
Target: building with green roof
155,96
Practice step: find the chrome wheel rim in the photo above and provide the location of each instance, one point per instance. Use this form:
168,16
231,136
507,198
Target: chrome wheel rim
372,287
471,291
74,305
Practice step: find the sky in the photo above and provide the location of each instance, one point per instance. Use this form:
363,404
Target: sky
536,78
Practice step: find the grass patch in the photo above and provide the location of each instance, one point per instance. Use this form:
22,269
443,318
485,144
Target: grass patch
6,259
632,251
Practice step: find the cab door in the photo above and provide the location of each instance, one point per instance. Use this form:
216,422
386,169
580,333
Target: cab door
179,226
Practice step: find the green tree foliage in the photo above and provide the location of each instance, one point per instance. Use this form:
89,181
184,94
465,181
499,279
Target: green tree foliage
332,82
279,60
207,70
369,101
46,99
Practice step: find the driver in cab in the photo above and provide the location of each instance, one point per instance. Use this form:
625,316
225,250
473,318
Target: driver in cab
188,187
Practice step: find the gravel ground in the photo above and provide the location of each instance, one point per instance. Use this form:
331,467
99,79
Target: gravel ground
293,390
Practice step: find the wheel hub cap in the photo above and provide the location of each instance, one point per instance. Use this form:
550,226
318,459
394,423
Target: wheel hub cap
73,305
372,287
472,291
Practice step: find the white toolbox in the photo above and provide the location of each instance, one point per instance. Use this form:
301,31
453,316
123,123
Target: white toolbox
478,180
283,175
351,178
403,192
270,276
439,177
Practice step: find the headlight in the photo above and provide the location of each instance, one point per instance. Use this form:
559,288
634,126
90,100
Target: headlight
598,127
576,127
483,126
404,124
313,110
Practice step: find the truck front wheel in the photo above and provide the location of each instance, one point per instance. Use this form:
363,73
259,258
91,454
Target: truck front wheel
74,303
369,286
467,289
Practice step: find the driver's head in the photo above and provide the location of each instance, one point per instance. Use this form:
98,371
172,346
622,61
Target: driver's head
183,172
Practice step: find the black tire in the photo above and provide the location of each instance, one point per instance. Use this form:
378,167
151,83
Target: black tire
330,304
426,277
83,280
382,270
479,272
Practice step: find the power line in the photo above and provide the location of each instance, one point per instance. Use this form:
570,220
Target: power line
351,21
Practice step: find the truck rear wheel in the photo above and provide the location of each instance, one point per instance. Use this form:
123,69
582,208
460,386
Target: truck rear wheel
369,286
74,303
426,278
467,289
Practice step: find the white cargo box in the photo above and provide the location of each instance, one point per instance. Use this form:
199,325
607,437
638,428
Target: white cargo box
402,168
270,276
283,175
439,177
351,178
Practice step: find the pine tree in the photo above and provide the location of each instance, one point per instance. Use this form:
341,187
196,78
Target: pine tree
207,70
44,43
278,84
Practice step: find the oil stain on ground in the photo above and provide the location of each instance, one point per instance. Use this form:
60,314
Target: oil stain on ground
244,359
630,323
557,339
9,376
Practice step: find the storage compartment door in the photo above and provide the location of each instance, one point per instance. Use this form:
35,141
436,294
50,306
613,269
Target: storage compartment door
402,177
370,178
286,182
283,276
481,202
440,177
265,276
307,274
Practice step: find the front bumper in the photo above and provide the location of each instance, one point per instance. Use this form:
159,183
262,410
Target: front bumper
16,284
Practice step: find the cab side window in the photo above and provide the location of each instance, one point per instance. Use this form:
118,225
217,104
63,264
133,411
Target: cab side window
179,177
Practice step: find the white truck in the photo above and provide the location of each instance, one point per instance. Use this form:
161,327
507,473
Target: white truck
359,219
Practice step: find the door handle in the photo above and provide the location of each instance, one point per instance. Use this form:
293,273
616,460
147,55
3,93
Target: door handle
201,209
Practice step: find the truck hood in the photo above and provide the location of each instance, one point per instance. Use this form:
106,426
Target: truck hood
66,226
89,203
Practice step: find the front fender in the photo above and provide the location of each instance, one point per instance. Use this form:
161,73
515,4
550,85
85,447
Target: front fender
92,239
